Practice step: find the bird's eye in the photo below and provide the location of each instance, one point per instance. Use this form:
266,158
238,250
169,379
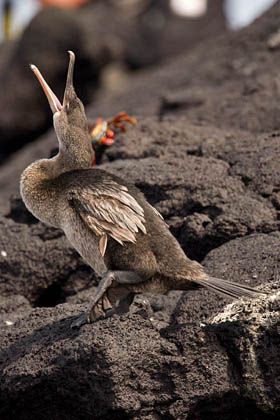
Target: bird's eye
67,107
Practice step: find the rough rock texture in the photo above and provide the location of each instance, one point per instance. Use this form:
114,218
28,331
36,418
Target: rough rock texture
123,368
253,260
211,206
205,157
12,307
254,327
38,262
126,367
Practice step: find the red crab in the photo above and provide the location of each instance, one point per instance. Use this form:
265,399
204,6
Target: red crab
103,132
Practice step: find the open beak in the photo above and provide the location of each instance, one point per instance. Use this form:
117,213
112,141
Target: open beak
52,98
69,81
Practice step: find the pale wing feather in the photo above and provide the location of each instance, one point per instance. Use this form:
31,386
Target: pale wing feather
103,244
122,215
118,192
159,215
157,212
108,209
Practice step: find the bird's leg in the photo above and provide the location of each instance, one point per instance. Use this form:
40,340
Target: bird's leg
101,302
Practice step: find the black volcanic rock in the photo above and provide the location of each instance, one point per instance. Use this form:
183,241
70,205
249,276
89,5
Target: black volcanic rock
205,156
204,205
36,261
125,367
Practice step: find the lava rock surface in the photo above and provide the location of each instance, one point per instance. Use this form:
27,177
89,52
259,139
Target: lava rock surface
206,154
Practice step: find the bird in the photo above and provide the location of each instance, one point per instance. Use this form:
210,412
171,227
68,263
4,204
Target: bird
107,219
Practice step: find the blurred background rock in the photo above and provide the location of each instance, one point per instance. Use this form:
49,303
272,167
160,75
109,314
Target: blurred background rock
110,39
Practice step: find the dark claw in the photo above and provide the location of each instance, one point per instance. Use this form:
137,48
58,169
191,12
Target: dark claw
95,312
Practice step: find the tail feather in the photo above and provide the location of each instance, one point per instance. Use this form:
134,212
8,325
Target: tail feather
228,288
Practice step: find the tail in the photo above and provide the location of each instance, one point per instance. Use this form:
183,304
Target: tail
228,288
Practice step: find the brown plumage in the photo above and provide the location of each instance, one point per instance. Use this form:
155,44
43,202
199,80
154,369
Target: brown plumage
109,222
107,209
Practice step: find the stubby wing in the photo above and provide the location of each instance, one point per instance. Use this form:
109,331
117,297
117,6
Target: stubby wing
108,209
157,212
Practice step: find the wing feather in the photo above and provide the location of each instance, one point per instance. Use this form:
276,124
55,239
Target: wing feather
108,209
103,244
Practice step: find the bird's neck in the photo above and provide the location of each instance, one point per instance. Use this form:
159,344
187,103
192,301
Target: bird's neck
65,162
38,183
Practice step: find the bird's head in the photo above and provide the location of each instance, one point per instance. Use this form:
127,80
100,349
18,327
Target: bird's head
69,119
